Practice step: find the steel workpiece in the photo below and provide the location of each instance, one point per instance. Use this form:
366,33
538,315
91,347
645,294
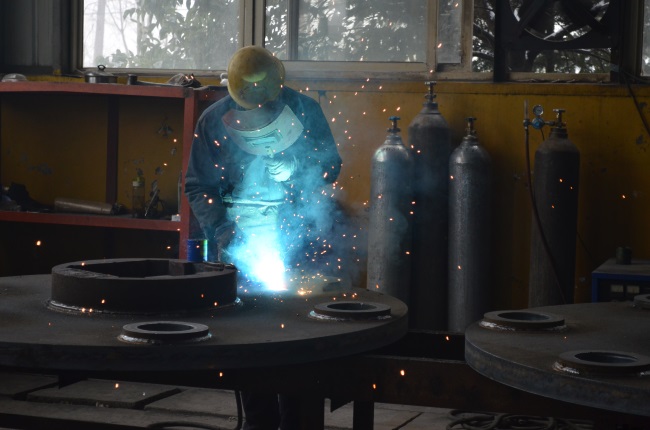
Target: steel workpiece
260,330
591,354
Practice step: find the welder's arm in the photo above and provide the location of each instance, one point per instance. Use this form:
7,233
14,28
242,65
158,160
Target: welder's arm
202,185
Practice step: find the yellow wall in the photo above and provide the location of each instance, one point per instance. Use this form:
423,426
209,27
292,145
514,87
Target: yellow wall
602,121
55,144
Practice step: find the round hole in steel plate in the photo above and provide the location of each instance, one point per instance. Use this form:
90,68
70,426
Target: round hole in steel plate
352,309
164,332
165,327
602,361
524,316
606,357
522,320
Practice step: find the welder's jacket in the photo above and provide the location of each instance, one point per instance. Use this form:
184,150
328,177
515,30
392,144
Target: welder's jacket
230,190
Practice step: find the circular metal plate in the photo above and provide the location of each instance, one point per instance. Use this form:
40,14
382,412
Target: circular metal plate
262,331
580,365
586,362
352,310
164,332
142,286
642,301
522,320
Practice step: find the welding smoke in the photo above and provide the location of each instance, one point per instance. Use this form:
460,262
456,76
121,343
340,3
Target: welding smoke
306,232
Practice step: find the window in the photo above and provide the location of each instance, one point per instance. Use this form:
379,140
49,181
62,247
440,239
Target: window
347,30
160,34
645,58
318,37
202,35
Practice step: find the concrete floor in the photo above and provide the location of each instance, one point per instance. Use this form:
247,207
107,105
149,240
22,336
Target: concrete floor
92,402
137,404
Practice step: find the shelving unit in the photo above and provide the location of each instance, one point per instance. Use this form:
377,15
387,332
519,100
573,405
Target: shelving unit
110,99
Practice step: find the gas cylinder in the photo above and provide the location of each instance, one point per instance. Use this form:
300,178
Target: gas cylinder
470,185
555,212
390,223
429,140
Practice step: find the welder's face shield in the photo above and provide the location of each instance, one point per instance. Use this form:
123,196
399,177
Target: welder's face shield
264,131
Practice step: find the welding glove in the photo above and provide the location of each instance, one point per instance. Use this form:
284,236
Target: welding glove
281,168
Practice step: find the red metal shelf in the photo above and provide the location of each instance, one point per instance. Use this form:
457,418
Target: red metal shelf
194,101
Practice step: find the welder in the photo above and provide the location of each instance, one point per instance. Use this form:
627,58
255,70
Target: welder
259,158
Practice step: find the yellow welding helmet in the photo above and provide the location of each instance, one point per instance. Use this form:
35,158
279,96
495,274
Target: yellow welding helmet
255,76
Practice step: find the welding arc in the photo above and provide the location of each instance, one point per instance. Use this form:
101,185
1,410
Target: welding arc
169,424
538,221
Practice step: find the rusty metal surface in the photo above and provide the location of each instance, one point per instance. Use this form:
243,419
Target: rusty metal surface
535,361
261,331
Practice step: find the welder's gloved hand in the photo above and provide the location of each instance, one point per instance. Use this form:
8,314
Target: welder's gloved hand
281,168
223,236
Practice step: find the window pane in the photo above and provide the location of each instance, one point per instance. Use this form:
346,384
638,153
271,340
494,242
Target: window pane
483,36
645,59
348,30
450,14
161,34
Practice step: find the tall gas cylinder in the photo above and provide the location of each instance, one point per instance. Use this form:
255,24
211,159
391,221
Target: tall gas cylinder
429,140
554,228
390,224
470,190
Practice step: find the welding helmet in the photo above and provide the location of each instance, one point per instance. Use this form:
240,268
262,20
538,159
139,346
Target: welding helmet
255,77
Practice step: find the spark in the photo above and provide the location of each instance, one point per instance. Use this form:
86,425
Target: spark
117,385
38,243
402,372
